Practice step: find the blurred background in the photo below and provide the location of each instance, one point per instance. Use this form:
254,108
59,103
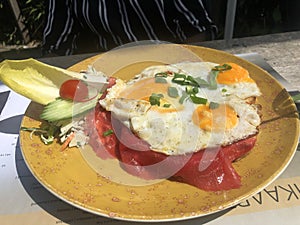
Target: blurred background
22,21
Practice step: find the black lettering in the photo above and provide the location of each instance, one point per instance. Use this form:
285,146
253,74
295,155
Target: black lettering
259,199
296,186
244,204
273,194
291,191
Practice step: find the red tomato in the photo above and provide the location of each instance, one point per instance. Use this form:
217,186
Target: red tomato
75,90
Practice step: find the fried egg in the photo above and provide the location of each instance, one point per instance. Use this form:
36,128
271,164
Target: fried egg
185,107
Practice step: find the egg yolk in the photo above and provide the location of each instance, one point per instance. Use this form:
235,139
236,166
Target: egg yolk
235,75
221,118
143,89
164,107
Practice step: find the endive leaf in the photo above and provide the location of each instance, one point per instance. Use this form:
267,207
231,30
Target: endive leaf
35,80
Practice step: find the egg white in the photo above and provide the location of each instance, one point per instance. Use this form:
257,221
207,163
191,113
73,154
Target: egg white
175,133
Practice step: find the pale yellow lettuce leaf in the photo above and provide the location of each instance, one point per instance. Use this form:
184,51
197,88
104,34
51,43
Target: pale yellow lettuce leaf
35,80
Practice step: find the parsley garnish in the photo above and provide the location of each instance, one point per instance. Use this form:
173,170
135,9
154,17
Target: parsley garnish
155,99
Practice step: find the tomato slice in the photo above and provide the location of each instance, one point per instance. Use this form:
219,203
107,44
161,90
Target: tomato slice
75,90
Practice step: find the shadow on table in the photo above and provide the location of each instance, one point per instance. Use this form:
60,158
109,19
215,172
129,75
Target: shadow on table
66,213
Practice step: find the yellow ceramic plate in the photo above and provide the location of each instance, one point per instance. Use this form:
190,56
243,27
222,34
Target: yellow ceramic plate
68,175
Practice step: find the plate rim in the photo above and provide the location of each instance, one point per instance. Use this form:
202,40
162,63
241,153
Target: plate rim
233,203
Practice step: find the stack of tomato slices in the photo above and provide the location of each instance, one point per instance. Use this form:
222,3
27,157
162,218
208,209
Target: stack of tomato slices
206,169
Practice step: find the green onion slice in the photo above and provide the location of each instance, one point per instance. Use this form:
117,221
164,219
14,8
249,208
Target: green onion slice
201,82
108,132
223,67
213,105
191,90
173,92
198,100
213,79
155,99
183,97
160,80
192,81
179,78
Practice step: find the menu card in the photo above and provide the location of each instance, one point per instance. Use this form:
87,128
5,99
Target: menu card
25,201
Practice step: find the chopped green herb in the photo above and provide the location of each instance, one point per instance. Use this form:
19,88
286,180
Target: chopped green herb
173,92
179,78
213,105
166,105
183,79
222,67
224,90
198,100
155,99
193,84
183,97
213,79
214,74
191,93
191,90
201,82
160,80
108,132
192,81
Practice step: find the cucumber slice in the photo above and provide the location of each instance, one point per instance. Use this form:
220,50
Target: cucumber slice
62,109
